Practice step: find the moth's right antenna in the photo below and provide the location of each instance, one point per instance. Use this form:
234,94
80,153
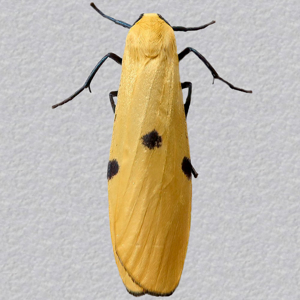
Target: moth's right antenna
180,28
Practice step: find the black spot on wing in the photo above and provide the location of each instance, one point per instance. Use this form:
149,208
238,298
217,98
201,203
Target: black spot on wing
152,139
186,167
113,168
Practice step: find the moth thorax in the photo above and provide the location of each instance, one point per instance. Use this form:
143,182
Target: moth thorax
151,37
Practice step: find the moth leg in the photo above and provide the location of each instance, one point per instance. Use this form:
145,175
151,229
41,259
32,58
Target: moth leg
111,98
113,56
214,73
188,98
194,172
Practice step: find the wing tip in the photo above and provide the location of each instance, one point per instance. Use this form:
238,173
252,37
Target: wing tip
160,294
135,294
138,294
145,291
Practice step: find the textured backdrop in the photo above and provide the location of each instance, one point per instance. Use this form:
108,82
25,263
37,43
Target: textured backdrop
54,228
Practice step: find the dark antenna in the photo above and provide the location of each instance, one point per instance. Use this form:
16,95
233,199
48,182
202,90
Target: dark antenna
110,18
180,28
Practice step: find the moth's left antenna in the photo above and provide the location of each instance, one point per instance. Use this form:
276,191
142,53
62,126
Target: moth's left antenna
110,18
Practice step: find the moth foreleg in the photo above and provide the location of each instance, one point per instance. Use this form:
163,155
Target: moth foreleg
87,83
214,73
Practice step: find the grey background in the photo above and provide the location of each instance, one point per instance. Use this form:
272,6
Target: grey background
54,227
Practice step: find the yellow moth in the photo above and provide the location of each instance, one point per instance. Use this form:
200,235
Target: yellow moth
149,169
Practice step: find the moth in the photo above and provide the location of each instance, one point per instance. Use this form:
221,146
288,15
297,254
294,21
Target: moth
149,170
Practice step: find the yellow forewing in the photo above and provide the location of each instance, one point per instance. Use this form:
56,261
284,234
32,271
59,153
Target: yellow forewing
150,195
